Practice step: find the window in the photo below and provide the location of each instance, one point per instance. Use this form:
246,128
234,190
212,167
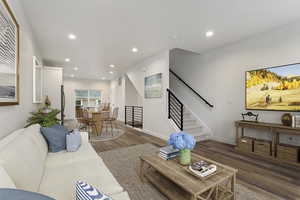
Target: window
88,98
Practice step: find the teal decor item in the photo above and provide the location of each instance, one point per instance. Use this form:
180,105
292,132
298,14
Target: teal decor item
185,143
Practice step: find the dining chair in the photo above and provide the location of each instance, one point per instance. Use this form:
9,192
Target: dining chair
89,122
112,119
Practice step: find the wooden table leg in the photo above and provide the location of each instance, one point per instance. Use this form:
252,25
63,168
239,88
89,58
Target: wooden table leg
237,136
243,132
193,197
233,186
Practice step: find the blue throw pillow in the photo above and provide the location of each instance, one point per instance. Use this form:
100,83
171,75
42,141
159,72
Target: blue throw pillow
56,137
85,191
73,141
14,194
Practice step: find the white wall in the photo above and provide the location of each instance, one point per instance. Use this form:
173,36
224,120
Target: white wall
219,76
155,110
132,97
14,117
72,84
118,96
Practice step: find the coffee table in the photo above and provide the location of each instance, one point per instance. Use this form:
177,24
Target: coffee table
170,178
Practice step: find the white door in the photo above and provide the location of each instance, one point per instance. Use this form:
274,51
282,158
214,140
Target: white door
53,79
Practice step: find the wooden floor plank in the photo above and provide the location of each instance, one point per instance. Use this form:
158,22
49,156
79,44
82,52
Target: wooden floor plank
263,176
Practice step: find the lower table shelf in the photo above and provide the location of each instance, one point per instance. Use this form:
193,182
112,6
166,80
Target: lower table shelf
170,189
174,192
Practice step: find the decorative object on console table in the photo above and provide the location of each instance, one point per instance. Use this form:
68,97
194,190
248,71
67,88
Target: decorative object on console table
287,119
250,115
296,121
9,56
185,143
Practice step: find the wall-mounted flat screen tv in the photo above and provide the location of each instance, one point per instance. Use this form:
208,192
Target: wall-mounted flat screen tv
274,88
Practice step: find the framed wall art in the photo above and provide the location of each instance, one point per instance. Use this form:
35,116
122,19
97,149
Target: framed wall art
153,86
9,56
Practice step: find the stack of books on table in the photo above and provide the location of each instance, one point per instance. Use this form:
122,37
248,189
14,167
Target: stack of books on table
168,152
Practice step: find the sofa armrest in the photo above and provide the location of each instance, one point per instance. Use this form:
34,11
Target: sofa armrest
85,136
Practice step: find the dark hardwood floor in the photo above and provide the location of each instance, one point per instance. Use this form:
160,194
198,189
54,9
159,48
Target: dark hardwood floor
259,175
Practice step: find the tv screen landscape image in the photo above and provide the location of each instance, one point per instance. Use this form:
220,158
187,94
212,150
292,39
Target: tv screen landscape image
274,88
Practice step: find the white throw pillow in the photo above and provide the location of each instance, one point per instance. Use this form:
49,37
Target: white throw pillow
73,141
5,180
85,191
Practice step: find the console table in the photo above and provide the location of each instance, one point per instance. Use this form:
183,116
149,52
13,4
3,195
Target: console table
275,129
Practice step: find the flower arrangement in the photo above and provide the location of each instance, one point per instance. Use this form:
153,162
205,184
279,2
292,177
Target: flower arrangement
185,143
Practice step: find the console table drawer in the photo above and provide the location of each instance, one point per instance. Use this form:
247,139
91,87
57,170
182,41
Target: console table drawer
287,157
287,152
287,149
245,144
262,147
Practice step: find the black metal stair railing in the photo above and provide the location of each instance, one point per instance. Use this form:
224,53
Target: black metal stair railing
134,116
194,91
175,109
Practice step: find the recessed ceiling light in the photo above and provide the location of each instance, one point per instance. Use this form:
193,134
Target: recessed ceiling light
72,75
111,72
209,33
134,49
112,66
75,68
72,36
67,59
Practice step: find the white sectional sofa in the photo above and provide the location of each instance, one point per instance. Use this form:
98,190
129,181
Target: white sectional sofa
26,164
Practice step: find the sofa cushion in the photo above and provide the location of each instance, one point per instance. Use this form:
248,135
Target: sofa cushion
85,191
56,137
23,162
85,152
92,171
73,141
33,132
5,180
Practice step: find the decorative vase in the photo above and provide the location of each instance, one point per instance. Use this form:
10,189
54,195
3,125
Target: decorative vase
185,157
287,119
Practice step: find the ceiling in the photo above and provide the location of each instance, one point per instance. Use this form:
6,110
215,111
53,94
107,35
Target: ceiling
107,30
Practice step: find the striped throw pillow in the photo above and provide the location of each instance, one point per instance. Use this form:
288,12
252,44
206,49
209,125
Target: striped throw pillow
85,191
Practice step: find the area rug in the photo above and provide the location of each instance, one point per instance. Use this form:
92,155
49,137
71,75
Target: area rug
124,165
107,135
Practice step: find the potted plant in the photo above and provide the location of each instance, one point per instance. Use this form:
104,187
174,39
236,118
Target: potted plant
45,116
185,143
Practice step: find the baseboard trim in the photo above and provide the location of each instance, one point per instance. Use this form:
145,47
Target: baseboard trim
164,137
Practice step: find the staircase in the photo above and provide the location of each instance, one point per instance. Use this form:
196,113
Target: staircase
185,120
194,126
179,112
